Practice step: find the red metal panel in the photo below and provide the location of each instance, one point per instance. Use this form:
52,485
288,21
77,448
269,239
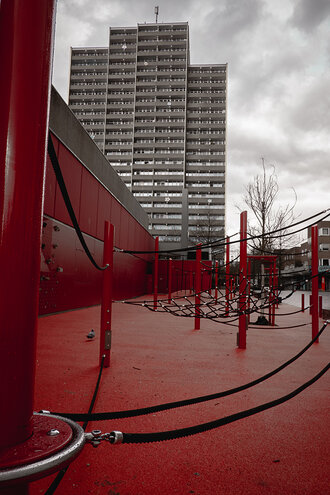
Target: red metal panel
88,203
115,220
72,172
50,185
124,228
104,210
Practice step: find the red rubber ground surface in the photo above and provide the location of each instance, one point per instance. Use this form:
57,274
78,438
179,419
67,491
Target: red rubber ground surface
158,358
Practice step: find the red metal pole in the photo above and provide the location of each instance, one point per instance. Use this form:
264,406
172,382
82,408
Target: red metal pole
315,281
303,303
169,280
156,273
320,307
269,295
242,322
249,290
227,275
26,36
198,287
106,305
216,282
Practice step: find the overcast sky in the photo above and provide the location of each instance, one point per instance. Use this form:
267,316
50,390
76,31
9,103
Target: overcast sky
278,55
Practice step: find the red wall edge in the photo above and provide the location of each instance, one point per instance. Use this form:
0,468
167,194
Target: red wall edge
68,280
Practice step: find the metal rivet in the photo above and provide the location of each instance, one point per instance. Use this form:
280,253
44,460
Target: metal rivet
53,432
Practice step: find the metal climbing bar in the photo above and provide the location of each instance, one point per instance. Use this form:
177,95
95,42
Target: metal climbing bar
106,305
156,273
198,287
242,322
315,280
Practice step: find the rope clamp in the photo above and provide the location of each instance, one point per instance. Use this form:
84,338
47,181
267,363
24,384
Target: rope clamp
95,437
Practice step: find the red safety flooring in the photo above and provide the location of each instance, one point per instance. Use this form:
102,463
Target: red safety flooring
158,358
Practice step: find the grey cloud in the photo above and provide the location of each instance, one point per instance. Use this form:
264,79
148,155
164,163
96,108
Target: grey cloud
309,14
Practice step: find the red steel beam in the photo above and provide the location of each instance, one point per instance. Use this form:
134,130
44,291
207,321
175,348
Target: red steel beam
198,287
106,304
315,282
169,280
26,39
156,272
227,275
242,321
216,282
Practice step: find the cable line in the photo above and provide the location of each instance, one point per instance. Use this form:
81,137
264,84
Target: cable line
173,405
161,436
67,201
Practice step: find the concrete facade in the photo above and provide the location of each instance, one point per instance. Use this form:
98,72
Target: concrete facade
161,123
68,130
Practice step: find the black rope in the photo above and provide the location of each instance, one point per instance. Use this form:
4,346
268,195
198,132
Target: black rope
219,242
173,405
67,201
55,483
161,436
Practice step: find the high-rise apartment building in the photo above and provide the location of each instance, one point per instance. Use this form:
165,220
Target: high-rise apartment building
161,123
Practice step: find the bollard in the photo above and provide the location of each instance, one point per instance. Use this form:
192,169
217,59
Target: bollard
303,303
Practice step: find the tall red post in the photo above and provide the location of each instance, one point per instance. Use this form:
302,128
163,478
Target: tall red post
106,304
227,275
320,307
156,273
216,282
26,38
169,280
249,290
198,287
242,321
315,282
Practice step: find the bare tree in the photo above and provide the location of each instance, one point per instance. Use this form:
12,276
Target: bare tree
260,197
207,232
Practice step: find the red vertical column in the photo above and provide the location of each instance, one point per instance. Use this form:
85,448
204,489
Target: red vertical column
106,304
315,282
242,322
156,273
169,280
26,35
270,295
227,275
198,287
249,290
216,282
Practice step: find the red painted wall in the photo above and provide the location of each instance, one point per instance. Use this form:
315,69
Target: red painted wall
68,280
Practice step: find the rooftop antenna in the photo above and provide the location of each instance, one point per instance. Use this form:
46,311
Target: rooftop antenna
156,13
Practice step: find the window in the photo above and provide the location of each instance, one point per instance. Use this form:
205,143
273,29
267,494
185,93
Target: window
324,262
324,231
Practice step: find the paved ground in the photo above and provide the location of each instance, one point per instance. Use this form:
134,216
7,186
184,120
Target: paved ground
158,358
295,299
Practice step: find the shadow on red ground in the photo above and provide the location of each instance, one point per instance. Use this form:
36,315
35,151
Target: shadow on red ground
158,358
